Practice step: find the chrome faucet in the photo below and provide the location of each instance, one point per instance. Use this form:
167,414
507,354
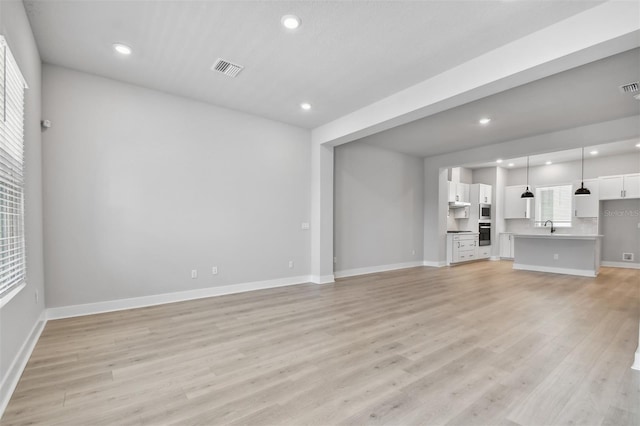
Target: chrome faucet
552,228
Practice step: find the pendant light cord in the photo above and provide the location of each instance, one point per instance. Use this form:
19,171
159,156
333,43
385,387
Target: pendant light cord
582,178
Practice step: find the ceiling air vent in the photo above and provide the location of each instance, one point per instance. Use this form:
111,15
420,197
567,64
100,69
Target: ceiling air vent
630,88
227,68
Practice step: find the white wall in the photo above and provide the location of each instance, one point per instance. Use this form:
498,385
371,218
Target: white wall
20,316
141,187
378,207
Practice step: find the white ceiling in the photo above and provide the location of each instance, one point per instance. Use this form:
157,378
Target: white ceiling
346,55
580,96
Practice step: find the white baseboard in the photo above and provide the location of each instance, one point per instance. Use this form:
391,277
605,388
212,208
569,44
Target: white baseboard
19,363
434,264
566,271
322,279
629,265
494,258
374,269
159,299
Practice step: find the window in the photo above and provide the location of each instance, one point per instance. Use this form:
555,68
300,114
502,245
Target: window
12,244
554,203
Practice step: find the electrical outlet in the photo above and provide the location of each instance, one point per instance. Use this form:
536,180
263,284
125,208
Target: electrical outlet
194,273
36,294
305,225
214,270
335,260
413,252
291,264
556,256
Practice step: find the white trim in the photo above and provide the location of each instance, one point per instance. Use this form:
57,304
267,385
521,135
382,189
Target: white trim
629,265
322,279
10,380
12,293
159,299
492,258
636,363
566,271
374,269
434,264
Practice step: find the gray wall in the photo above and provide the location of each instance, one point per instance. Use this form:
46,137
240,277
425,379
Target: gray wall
141,187
378,207
21,314
619,224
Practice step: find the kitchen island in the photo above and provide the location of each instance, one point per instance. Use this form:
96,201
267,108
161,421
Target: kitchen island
571,254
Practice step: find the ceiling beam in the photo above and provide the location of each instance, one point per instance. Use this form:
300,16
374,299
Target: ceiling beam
599,32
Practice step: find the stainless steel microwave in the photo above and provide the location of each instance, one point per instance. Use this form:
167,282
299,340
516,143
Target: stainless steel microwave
485,211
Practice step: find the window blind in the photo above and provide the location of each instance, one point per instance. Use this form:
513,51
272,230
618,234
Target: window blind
554,203
12,241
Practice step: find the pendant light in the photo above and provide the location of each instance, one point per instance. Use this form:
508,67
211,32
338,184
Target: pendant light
582,191
527,193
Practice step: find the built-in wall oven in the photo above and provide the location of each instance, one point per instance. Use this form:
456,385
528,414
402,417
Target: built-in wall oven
484,212
485,234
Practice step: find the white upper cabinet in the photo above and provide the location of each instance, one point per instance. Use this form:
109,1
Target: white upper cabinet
452,191
588,205
484,193
462,213
458,192
617,187
516,207
631,186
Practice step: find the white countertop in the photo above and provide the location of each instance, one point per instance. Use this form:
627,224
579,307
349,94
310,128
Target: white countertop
557,236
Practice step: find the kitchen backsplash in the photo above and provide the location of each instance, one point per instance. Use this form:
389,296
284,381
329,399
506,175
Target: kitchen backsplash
526,226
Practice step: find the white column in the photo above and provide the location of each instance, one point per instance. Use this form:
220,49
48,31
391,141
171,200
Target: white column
435,214
321,213
636,364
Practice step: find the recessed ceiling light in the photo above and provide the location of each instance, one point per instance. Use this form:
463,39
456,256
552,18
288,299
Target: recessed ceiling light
594,152
484,121
122,49
499,160
290,22
305,106
638,145
511,164
548,163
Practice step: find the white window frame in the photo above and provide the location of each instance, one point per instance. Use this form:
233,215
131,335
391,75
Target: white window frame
13,268
539,221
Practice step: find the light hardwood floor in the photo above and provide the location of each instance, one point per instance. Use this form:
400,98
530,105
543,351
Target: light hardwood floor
477,344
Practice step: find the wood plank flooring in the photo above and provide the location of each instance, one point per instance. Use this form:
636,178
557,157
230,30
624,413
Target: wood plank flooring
477,344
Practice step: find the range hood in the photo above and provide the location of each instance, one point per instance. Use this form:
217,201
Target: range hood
458,204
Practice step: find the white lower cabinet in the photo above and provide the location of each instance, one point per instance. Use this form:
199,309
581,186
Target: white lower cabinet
462,247
506,246
484,252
